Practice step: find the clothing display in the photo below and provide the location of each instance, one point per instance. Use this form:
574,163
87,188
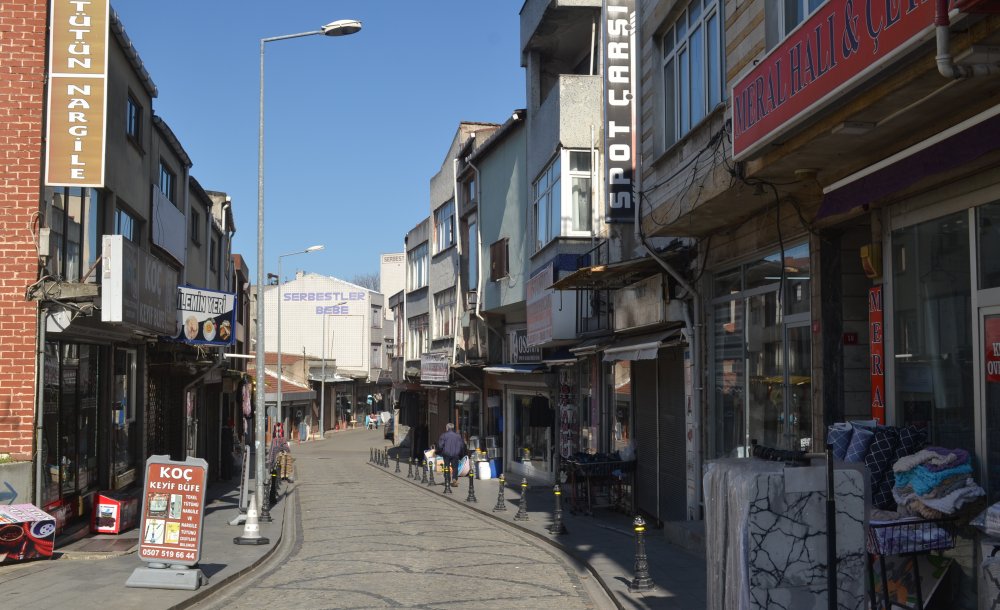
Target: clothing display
878,447
935,482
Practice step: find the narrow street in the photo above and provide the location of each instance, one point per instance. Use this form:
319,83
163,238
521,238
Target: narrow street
365,539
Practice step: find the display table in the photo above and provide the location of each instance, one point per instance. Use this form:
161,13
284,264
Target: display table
26,532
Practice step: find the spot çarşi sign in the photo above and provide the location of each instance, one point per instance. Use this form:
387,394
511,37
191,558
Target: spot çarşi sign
172,509
620,109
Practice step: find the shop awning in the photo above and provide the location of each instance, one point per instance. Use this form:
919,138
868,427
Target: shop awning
590,346
528,367
641,347
560,356
610,276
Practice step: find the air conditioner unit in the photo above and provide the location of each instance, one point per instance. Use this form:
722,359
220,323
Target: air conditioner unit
471,299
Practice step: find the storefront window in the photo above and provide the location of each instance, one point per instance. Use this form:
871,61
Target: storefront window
123,412
933,329
534,422
621,399
761,355
467,407
988,221
50,423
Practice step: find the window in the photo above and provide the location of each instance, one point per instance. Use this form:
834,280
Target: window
563,207
195,227
444,227
498,260
417,339
580,203
213,253
133,120
472,259
546,204
444,313
376,356
781,17
127,225
416,267
73,217
376,316
168,183
691,69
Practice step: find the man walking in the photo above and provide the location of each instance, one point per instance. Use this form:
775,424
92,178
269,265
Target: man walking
451,447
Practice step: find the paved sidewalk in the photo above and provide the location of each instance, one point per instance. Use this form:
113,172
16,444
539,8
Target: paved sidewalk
91,573
604,542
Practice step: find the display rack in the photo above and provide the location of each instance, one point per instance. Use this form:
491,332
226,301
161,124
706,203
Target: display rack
907,537
605,484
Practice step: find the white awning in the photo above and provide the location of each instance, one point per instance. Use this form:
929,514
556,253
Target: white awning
642,347
535,367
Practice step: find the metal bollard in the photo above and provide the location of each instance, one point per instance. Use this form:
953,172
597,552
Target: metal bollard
501,503
642,581
397,464
409,469
371,455
430,467
447,478
522,511
268,499
423,471
557,526
472,488
385,461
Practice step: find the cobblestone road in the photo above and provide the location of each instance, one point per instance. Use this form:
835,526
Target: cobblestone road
364,539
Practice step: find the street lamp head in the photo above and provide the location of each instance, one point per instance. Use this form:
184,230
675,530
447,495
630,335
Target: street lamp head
315,248
342,27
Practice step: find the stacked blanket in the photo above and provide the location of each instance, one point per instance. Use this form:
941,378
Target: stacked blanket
934,482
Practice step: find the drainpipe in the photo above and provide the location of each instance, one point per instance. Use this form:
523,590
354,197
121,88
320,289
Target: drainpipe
946,65
43,315
458,262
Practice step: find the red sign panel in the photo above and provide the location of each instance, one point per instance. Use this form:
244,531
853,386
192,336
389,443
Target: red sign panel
172,509
839,45
876,336
991,332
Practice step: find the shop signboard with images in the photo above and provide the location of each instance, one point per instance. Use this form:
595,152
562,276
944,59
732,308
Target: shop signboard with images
173,505
205,317
26,532
992,334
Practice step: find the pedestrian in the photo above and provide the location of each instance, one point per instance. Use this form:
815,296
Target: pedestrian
451,447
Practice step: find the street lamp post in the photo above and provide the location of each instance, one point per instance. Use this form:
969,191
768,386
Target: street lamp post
280,280
342,27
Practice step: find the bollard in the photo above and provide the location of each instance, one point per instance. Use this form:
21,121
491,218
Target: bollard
409,469
266,501
642,581
472,488
430,468
501,504
385,462
371,455
557,526
423,473
397,464
447,478
522,511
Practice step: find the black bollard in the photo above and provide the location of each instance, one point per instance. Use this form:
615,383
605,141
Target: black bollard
472,488
397,464
423,473
371,455
430,468
501,503
447,478
522,511
409,469
642,581
268,499
386,461
557,526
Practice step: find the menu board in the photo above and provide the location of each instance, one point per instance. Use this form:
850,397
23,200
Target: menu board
26,532
173,504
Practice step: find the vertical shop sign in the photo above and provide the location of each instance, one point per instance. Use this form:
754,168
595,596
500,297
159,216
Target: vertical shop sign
991,332
172,508
877,363
77,104
619,109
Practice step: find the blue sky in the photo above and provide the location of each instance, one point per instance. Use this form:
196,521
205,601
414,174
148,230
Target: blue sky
356,126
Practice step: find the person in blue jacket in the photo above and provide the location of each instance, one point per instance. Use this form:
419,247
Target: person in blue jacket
451,447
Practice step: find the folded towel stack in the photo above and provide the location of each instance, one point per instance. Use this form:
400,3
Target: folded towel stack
934,482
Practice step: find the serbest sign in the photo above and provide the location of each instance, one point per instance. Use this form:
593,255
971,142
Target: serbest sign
77,104
833,50
619,109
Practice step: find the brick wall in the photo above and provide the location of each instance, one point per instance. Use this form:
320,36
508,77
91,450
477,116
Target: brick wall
22,71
